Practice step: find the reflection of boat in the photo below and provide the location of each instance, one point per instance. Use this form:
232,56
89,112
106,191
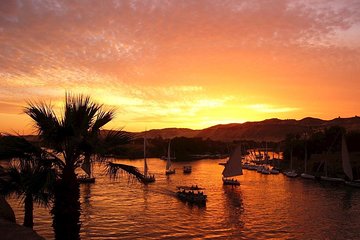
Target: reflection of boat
233,168
87,167
193,194
146,178
187,169
347,165
168,170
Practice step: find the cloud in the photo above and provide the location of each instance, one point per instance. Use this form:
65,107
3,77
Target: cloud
267,108
161,58
112,36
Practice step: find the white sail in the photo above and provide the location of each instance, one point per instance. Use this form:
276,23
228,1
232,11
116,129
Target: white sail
346,159
168,160
233,165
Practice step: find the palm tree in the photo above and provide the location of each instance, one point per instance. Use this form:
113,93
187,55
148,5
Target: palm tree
30,177
76,136
31,181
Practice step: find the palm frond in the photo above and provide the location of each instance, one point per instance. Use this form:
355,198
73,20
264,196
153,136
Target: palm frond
111,142
115,169
102,118
29,176
44,118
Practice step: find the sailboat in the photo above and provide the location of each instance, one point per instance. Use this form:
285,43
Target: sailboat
305,174
291,173
147,178
347,165
169,171
87,167
233,168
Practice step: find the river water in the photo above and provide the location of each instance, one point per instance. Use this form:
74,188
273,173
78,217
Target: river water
262,207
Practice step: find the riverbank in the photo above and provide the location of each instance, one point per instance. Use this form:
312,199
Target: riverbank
9,229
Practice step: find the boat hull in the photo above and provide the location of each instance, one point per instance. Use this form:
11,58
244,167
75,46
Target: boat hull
86,179
331,179
169,172
187,169
232,182
291,174
353,184
307,176
193,198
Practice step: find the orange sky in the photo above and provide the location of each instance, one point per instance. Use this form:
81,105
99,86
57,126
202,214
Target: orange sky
182,63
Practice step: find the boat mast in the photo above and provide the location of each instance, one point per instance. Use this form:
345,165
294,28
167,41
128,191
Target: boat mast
305,156
168,162
346,159
291,158
145,164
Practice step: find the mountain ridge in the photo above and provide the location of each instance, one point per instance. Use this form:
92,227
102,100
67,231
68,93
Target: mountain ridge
273,129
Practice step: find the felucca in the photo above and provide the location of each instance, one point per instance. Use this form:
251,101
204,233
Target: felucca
233,168
347,165
147,178
168,170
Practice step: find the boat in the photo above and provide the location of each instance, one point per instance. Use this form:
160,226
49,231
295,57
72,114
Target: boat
259,168
290,173
347,165
168,170
187,169
87,167
265,171
327,178
233,168
274,171
305,174
193,194
146,177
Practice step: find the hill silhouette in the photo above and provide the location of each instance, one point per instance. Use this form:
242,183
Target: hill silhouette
268,130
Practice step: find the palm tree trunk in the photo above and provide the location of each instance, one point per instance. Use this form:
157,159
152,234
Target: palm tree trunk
66,211
29,207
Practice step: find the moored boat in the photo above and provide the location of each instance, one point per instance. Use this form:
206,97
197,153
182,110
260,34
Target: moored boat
86,166
307,176
85,179
146,177
187,169
168,170
274,171
347,165
291,174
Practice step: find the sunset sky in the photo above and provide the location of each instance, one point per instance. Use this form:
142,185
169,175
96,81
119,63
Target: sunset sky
182,63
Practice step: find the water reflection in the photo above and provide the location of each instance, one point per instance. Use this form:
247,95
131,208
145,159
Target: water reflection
233,207
347,199
262,207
